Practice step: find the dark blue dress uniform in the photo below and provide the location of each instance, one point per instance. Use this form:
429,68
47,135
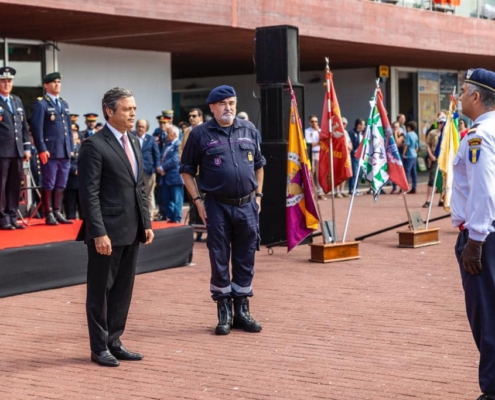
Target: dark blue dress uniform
71,193
473,212
227,159
14,141
51,129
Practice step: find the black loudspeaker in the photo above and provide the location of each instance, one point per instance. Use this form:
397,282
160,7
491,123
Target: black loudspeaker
272,216
275,111
277,54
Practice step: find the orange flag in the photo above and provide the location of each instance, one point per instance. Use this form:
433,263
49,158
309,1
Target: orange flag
342,168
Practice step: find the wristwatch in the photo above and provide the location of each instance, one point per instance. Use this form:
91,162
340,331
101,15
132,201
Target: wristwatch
260,195
196,198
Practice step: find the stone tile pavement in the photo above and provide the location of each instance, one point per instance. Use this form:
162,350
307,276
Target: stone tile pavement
388,326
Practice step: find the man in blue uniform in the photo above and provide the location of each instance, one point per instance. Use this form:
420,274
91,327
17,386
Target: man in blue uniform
14,147
90,120
473,212
171,183
227,152
51,128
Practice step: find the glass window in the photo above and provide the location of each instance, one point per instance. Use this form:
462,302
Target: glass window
26,59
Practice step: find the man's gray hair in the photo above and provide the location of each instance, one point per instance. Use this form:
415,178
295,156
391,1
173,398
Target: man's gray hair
112,97
145,122
487,96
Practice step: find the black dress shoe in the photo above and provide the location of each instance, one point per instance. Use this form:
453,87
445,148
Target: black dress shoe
104,358
7,227
17,226
60,218
50,219
122,353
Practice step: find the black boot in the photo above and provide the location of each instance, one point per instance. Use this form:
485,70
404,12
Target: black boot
224,308
57,206
46,202
242,317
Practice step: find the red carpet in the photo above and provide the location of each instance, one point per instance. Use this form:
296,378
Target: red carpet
39,233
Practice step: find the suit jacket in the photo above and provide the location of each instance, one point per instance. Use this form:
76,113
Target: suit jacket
14,134
151,155
112,201
51,128
170,163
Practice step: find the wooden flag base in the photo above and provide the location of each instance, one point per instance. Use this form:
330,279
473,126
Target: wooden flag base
332,252
418,238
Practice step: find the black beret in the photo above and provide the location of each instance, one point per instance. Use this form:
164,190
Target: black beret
220,93
481,77
51,77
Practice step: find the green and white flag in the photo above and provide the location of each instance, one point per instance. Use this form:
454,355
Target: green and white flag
375,165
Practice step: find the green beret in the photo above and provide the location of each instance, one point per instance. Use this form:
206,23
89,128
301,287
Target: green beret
51,77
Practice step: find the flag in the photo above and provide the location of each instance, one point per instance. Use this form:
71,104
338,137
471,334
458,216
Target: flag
381,160
448,148
342,168
395,167
301,215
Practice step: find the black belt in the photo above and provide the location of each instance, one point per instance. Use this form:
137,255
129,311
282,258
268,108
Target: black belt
234,202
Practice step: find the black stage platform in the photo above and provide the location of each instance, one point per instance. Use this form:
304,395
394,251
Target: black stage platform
55,265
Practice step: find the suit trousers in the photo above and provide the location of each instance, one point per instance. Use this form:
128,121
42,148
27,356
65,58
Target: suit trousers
479,292
110,282
10,188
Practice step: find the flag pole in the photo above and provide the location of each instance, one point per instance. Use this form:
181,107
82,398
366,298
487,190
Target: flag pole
361,158
432,196
315,198
330,140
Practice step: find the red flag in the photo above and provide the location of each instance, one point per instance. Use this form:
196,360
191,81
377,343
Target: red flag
342,168
396,171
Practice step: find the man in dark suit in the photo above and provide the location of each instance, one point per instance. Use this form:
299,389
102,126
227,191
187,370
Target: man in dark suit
115,220
151,161
51,128
14,146
171,183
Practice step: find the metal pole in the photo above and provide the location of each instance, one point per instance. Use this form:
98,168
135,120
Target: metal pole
361,158
431,197
330,141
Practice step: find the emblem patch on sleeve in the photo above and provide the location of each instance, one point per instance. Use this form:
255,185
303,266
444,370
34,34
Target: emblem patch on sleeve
474,154
475,141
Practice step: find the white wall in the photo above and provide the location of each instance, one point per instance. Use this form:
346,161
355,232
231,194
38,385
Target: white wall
354,90
88,72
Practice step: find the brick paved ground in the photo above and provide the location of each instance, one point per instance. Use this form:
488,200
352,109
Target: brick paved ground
388,326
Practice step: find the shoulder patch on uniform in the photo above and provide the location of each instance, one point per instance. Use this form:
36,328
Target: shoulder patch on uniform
39,98
475,141
474,154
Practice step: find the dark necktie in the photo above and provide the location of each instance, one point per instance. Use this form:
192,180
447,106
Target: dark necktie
57,103
9,103
130,156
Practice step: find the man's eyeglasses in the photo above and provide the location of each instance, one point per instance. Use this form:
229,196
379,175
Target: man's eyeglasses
193,116
315,121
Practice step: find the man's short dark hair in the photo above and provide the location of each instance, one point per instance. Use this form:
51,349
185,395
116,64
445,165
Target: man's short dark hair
198,110
412,125
112,97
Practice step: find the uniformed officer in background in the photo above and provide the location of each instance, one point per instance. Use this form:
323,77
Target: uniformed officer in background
51,128
90,121
14,148
473,211
72,207
227,152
